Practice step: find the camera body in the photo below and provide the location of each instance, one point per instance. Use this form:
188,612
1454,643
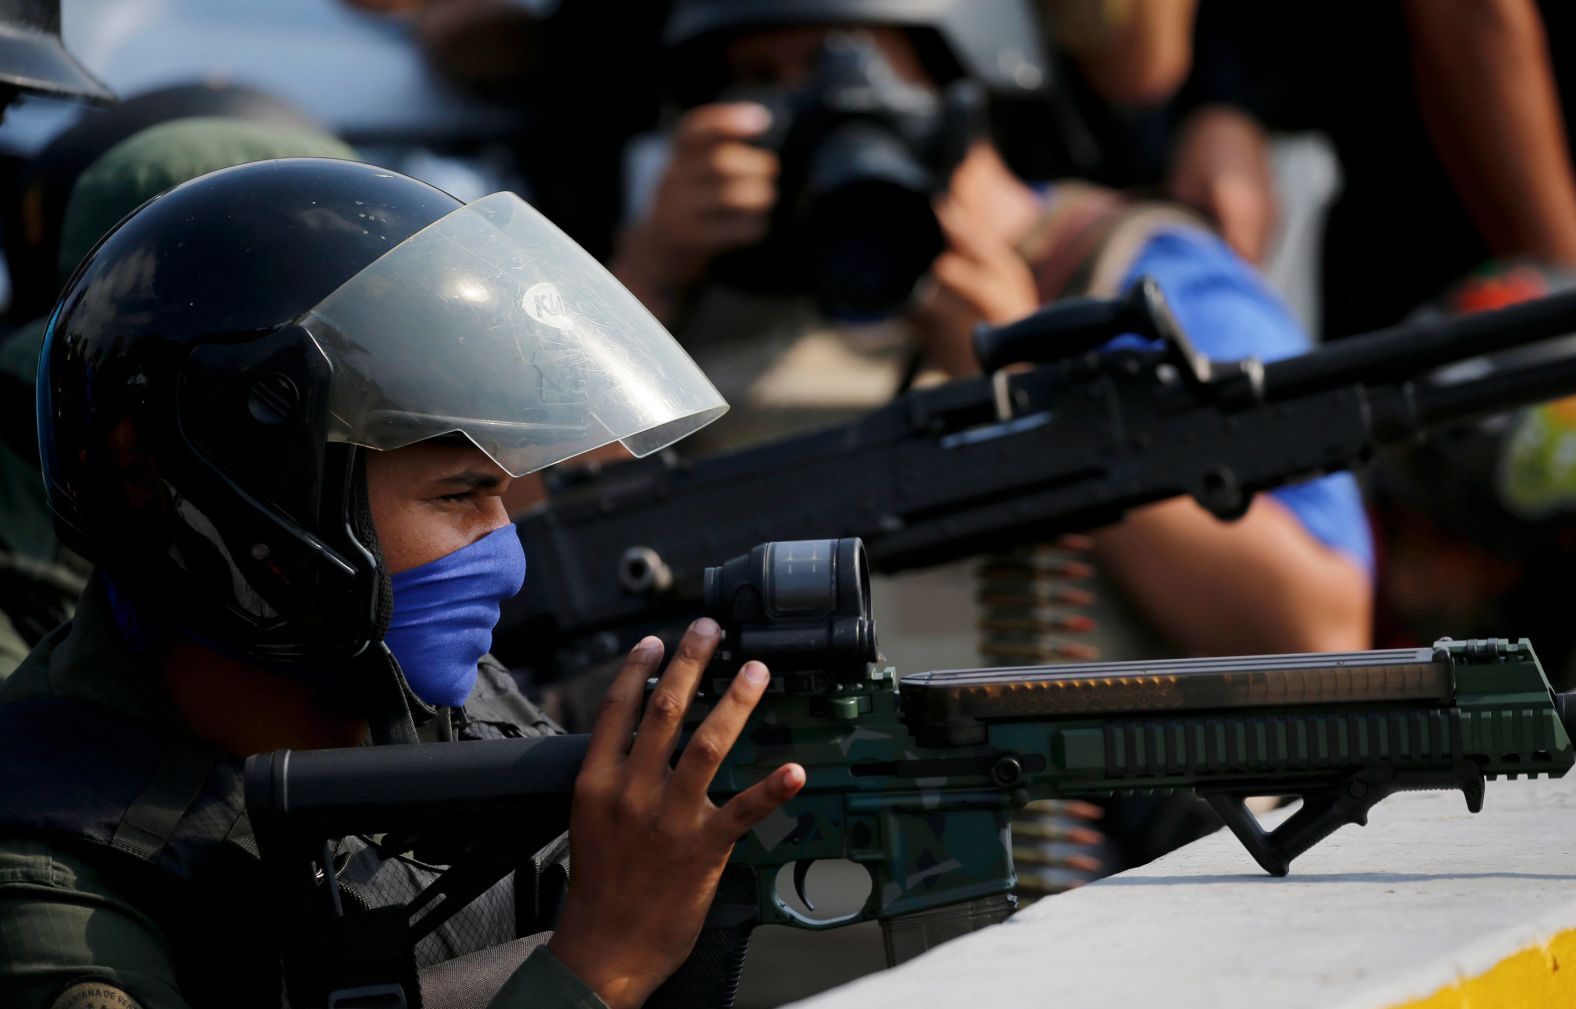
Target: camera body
863,155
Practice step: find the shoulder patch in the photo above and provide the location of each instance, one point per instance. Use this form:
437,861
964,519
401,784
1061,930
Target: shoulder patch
94,994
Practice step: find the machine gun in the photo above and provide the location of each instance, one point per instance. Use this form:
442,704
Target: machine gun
915,779
1070,442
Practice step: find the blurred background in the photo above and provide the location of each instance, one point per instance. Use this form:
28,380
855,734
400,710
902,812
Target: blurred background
1369,160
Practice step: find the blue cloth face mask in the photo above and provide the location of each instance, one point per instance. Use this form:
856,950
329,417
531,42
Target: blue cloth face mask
445,611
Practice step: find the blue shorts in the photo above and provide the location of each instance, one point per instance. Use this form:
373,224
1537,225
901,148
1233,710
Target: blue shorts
1229,313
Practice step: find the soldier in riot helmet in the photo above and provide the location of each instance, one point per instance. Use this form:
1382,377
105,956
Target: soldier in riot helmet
840,201
85,181
278,408
36,589
33,60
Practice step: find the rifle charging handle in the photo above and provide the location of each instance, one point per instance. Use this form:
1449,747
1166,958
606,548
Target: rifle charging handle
1068,328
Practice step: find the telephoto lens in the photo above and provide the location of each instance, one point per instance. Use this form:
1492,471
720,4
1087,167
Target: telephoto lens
864,154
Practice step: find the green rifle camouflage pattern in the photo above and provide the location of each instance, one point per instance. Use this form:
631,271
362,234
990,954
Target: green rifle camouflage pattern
916,779
930,822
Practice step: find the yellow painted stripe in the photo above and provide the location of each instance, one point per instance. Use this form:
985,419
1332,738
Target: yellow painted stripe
1538,976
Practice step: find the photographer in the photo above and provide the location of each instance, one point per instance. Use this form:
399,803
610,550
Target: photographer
864,183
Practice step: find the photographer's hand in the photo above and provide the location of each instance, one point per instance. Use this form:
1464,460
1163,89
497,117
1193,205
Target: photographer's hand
716,194
647,845
1222,165
979,277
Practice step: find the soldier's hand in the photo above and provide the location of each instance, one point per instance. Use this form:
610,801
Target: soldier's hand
646,844
716,194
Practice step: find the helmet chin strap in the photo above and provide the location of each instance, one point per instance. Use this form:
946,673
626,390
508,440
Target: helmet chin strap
376,686
367,532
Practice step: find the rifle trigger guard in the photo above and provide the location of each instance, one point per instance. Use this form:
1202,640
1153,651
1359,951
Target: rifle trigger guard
776,911
801,875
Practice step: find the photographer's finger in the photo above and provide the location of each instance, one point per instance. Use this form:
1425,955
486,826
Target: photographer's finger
960,277
729,160
708,124
710,744
966,239
665,708
615,720
757,802
956,227
743,195
731,229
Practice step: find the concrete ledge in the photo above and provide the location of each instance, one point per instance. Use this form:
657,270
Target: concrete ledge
1428,907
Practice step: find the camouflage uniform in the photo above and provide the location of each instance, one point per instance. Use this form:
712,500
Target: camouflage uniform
79,919
39,578
73,911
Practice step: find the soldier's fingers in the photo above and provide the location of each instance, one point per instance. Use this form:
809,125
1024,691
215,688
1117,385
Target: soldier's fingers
757,802
665,708
709,124
710,743
615,720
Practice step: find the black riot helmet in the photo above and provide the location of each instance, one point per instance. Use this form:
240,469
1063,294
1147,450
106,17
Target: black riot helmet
33,59
33,209
219,362
994,42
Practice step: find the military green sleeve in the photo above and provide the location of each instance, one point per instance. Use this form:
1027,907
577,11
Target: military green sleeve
543,982
13,647
63,922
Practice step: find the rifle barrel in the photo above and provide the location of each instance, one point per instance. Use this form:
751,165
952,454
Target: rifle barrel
1412,349
1461,402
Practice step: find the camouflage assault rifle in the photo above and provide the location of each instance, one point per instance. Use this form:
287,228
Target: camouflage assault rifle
915,779
983,464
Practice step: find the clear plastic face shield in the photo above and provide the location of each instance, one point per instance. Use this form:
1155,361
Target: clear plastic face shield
492,323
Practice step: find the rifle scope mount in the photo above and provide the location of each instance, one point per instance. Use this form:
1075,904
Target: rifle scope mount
800,606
